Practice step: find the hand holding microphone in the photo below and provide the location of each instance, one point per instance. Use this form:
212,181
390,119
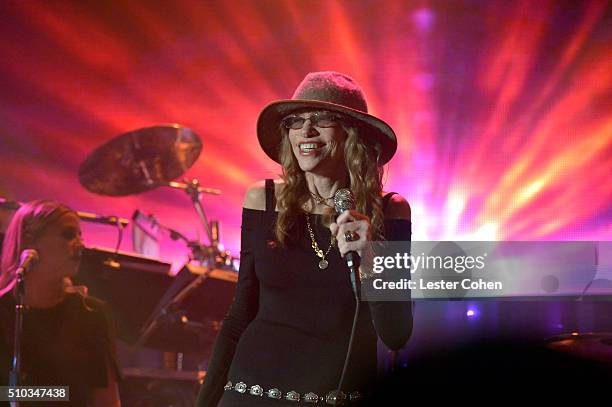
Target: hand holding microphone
352,230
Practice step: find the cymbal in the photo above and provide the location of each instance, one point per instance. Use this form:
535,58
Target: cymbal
140,160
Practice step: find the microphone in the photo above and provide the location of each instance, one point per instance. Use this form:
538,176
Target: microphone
344,200
27,259
105,220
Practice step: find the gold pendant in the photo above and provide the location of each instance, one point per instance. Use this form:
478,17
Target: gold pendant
323,264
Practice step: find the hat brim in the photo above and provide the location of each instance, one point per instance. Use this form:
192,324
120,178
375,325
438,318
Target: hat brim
269,133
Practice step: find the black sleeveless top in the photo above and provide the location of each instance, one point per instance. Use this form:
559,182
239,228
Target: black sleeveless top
69,344
290,322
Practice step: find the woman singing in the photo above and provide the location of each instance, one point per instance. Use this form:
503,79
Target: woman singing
66,338
284,339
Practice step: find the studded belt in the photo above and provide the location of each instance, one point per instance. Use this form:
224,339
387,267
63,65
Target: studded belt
333,397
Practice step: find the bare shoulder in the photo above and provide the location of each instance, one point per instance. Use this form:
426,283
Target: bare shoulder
397,208
255,197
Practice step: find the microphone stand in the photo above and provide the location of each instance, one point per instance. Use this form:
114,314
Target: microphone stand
16,375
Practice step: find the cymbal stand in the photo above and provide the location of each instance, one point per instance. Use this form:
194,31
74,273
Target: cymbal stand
199,252
193,190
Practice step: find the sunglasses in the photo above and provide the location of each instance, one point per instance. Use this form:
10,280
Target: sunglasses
318,119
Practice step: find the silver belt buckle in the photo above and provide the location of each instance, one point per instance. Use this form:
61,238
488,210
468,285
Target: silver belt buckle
335,398
274,393
256,390
240,387
292,396
311,398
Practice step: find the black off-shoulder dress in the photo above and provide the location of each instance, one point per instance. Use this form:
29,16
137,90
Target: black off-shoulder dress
289,325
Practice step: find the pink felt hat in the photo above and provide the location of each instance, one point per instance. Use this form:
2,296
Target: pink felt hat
331,91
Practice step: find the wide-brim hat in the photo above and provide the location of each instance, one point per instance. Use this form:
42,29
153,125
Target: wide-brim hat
331,91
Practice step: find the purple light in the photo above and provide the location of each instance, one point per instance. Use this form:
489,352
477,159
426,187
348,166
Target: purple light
470,313
423,19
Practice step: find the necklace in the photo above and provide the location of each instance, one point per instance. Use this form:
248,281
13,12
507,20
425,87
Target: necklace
319,200
323,263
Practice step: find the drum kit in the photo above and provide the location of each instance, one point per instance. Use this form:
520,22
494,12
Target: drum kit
149,158
146,159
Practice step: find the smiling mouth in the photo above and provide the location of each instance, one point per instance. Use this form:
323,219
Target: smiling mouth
309,147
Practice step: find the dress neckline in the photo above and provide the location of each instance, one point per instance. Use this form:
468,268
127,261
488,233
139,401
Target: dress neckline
276,212
263,211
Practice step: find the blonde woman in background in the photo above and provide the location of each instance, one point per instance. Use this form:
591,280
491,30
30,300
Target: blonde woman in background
67,339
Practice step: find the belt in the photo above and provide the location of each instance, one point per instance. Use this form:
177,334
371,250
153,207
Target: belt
333,397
